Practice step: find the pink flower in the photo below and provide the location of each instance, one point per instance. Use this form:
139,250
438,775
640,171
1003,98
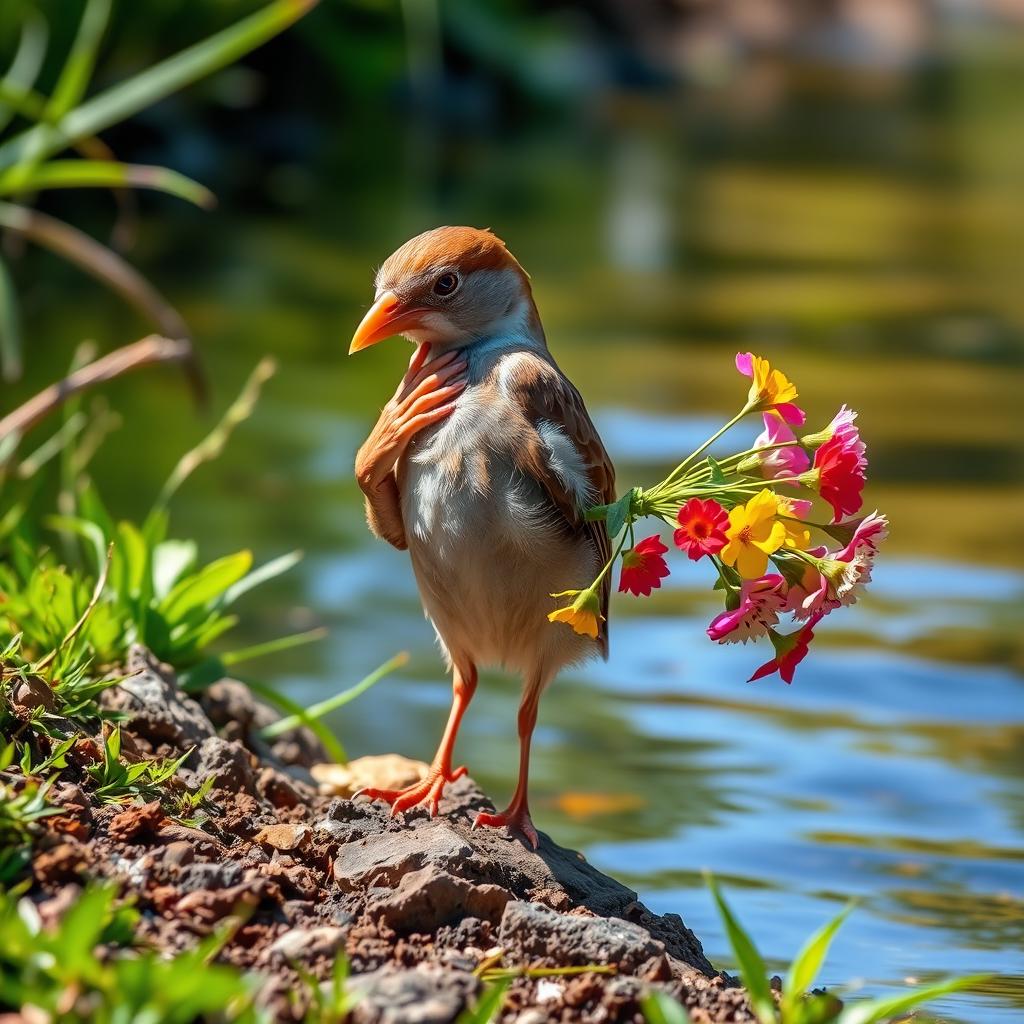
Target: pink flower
839,576
760,602
790,461
790,650
702,526
860,553
643,567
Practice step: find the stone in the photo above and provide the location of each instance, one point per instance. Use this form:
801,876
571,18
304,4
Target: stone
155,707
379,771
307,943
228,761
425,995
427,899
284,836
533,934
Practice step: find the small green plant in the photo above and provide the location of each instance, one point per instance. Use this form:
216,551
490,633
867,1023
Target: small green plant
116,781
332,1001
20,810
798,1004
60,972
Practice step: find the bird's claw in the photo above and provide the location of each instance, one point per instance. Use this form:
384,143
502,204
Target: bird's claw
516,819
428,790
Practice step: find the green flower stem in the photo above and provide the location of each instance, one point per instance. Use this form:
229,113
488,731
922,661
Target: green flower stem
710,441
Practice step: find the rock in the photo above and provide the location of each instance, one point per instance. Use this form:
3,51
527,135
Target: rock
427,899
155,707
426,995
284,836
136,824
228,761
381,771
281,790
232,706
534,934
31,692
364,864
179,854
307,943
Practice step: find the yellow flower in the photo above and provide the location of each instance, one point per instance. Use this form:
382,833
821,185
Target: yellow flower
797,534
768,387
584,614
753,534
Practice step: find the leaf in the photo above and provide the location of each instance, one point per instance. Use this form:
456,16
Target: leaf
717,476
333,703
205,586
282,643
103,174
28,60
267,571
10,327
84,528
155,83
615,515
488,1006
98,261
659,1008
751,965
79,63
331,743
882,1009
808,963
171,560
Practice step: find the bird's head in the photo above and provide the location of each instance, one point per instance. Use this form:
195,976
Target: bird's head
449,287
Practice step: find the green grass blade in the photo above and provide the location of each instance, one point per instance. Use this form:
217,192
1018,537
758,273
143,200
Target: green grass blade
96,260
78,67
10,327
27,63
103,174
267,571
751,964
205,586
316,711
156,83
300,716
282,643
213,444
487,1007
659,1008
876,1010
808,963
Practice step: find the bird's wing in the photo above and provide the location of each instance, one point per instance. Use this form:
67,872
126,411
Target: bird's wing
550,402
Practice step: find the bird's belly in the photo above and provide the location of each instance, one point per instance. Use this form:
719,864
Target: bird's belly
488,550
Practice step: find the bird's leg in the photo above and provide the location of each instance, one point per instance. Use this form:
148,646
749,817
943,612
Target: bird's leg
430,789
517,814
425,395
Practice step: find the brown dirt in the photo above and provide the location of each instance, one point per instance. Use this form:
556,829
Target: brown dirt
415,903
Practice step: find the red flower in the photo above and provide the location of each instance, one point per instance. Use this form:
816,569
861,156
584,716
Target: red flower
790,650
643,568
702,526
841,466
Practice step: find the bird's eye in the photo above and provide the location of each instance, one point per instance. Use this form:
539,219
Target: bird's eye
446,284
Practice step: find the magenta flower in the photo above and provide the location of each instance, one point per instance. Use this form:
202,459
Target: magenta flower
760,602
790,650
790,461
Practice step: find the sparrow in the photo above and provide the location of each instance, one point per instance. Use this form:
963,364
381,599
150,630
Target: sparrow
483,465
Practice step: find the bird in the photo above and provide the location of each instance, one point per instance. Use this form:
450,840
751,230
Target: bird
482,466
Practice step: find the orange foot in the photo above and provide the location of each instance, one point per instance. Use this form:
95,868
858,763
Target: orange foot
427,791
514,818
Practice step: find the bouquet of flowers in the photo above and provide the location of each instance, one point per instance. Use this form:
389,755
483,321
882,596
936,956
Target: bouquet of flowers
748,510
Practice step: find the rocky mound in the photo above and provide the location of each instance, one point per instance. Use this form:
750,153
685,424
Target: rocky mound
417,904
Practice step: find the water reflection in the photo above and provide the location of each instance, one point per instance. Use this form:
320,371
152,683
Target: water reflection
892,770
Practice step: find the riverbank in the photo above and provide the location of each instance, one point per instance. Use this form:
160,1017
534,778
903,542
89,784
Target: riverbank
425,910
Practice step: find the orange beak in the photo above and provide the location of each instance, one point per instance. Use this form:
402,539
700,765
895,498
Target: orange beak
386,317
